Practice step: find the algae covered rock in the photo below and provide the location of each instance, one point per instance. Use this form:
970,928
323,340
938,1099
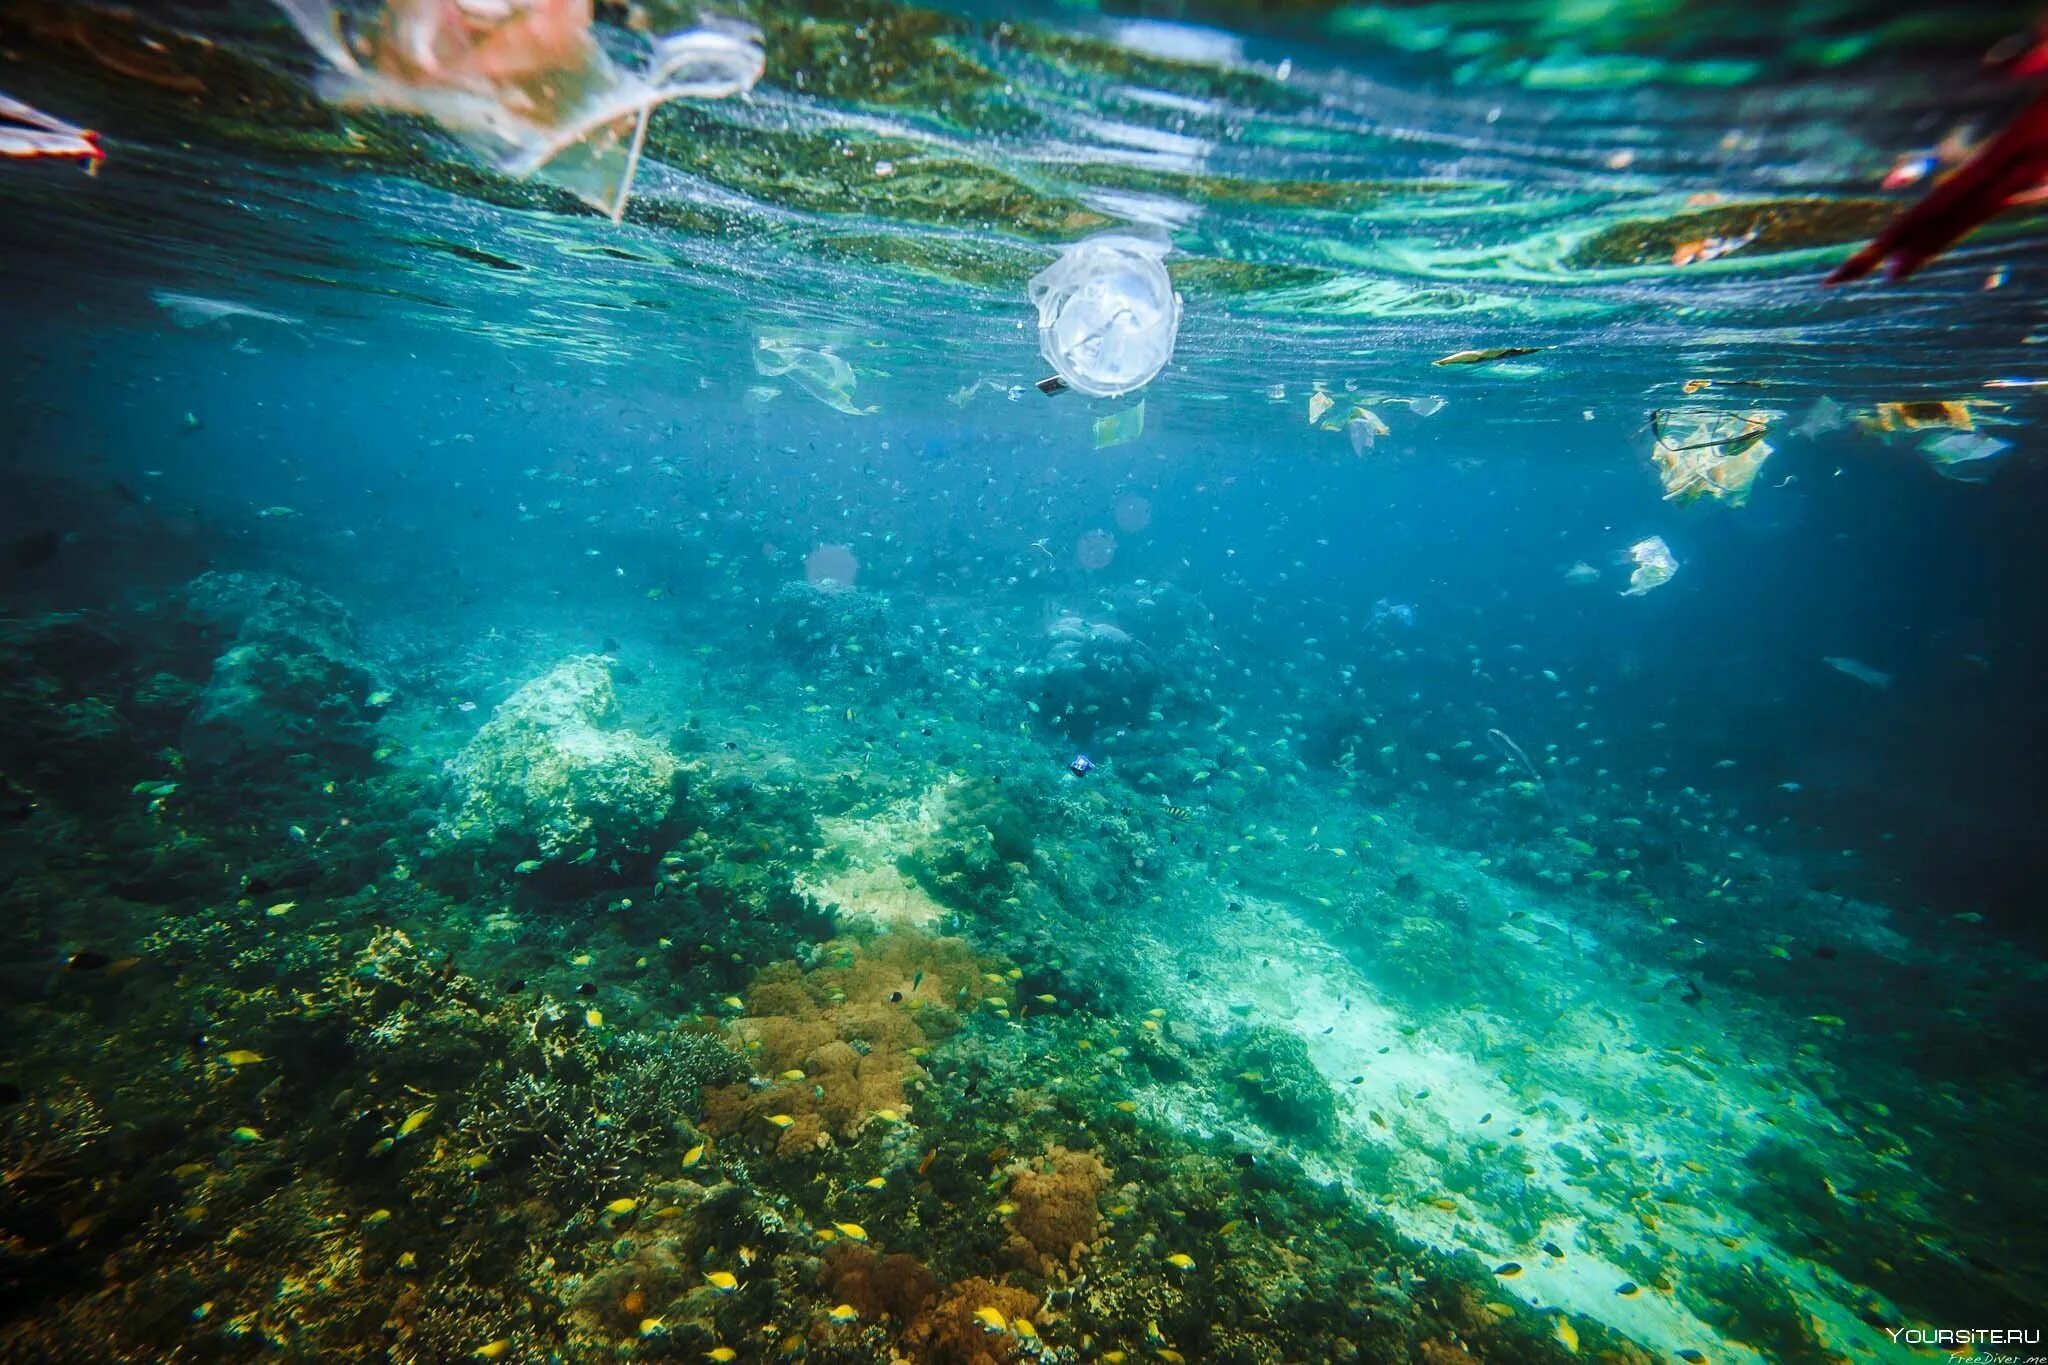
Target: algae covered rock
1094,675
551,769
1281,1083
288,677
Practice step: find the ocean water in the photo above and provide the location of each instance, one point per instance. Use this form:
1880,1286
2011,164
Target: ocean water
586,790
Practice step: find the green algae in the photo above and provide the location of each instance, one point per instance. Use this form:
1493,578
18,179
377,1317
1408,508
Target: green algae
1780,225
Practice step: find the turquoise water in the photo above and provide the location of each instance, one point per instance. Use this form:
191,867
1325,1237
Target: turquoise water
580,790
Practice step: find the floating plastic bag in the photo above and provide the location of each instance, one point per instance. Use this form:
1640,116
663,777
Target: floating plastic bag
1706,454
1107,314
1119,427
1654,566
28,132
525,84
1964,456
818,372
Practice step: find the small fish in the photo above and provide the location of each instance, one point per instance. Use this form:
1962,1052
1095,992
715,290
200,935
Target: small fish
594,1018
241,1056
694,1155
246,1134
1628,1289
281,909
527,867
415,1121
885,1115
491,1350
650,1326
724,1281
733,1002
584,858
623,1205
781,1120
1691,1356
1568,1335
1507,1270
852,1232
1024,1330
875,1182
1712,248
721,1355
844,1313
991,1319
1180,1260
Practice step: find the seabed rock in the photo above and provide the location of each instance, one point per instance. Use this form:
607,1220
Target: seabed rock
552,769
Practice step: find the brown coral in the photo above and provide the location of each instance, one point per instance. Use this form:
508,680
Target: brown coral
896,1285
839,1041
952,1334
1056,1218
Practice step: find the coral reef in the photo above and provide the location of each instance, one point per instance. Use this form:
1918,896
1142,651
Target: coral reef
1056,1218
552,770
1094,675
1283,1086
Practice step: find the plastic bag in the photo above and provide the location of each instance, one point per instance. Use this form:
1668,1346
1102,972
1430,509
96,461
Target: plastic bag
818,372
1701,453
1119,427
28,132
1107,314
525,84
1654,566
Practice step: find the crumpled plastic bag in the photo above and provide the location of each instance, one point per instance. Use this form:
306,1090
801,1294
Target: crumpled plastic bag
1964,456
1654,566
1702,453
815,370
1107,313
526,84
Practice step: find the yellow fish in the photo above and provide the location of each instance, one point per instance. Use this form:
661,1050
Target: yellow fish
888,1116
491,1350
1023,1328
781,1120
693,1156
852,1232
733,1002
241,1056
1568,1334
622,1206
594,1018
721,1354
991,1319
875,1182
1180,1260
844,1313
284,908
724,1281
649,1326
792,1075
415,1120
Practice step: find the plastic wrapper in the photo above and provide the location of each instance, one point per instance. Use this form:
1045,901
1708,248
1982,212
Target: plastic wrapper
1120,427
1964,456
1654,566
28,133
1107,314
815,370
1701,453
529,85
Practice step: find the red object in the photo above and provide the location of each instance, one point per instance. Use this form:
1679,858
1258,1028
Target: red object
2009,169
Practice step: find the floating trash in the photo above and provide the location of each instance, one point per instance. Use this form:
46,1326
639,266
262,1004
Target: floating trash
1951,414
1860,671
526,84
1120,427
196,310
1364,427
1107,314
1486,356
1654,566
818,372
1318,404
28,133
1964,456
1702,453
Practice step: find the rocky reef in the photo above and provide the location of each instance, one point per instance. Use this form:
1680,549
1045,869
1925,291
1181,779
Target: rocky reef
553,772
1094,676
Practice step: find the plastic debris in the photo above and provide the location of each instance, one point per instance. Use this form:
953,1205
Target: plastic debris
1428,406
195,310
1703,453
1364,427
1952,414
1107,314
1486,356
29,133
1963,456
1826,415
818,372
1860,671
1318,404
1654,566
1120,427
526,84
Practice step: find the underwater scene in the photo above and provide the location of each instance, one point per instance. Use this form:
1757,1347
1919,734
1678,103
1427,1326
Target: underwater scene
1158,681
